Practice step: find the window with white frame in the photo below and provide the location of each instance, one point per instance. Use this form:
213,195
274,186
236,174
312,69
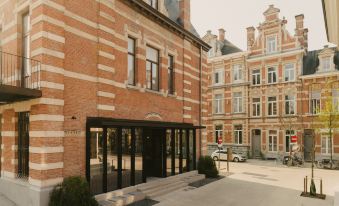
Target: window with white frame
288,136
238,134
272,106
26,27
326,144
237,102
272,141
335,99
271,44
289,72
256,77
237,72
326,64
271,75
218,132
256,107
290,104
315,102
218,103
218,76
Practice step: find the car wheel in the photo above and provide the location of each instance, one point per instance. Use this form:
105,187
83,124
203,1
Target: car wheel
236,159
215,158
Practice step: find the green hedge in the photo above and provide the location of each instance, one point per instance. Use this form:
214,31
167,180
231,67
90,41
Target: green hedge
73,191
206,165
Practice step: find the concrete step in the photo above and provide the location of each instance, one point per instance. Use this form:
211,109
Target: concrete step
166,190
160,187
122,200
115,193
194,178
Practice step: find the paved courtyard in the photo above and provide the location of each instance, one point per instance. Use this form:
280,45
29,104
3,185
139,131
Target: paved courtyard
260,183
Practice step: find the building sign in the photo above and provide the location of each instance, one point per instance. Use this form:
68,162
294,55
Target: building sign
294,139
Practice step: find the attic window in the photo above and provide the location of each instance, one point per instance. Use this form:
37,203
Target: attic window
326,64
271,44
153,3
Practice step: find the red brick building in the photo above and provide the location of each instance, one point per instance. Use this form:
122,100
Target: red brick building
108,89
258,99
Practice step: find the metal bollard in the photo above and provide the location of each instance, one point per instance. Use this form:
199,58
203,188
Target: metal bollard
321,186
306,184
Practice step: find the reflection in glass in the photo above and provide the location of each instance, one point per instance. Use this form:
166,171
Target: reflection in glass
96,163
112,159
126,157
138,156
177,151
184,151
168,152
190,137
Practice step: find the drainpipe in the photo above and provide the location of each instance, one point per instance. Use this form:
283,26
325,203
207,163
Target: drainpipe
200,96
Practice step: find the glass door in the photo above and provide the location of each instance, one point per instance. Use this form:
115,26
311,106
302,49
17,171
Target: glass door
96,160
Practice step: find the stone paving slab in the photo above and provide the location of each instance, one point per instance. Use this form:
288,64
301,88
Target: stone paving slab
5,202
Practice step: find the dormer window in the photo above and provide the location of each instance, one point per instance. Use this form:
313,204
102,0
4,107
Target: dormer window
326,64
153,3
271,44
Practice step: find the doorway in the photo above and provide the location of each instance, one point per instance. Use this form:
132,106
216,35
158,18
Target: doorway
256,143
153,152
308,144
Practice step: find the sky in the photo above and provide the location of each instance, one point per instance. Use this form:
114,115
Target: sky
236,15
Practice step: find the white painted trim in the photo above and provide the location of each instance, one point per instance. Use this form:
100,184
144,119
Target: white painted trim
46,134
107,16
49,3
10,38
187,116
50,52
14,147
8,133
46,166
52,85
80,33
105,107
105,94
106,68
48,35
50,101
47,117
8,174
45,183
46,150
106,55
48,19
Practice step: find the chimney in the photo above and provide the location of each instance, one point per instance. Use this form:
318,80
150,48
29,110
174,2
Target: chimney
300,32
250,37
221,34
185,13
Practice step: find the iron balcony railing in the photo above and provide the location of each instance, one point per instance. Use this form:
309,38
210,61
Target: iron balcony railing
19,71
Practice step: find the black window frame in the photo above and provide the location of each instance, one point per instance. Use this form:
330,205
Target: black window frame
171,75
134,61
158,69
155,2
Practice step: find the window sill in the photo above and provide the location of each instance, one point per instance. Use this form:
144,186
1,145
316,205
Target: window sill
218,114
133,87
155,92
236,113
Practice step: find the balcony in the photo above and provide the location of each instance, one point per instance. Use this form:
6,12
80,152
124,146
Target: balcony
19,78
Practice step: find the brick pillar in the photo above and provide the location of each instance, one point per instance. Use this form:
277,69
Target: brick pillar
46,149
9,145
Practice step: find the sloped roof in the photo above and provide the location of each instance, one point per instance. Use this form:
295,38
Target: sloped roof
229,48
311,61
173,10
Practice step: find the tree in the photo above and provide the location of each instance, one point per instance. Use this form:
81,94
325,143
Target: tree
328,119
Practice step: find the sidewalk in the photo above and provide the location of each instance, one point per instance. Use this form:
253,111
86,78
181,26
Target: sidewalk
5,202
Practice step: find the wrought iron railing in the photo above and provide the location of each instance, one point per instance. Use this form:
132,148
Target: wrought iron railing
19,71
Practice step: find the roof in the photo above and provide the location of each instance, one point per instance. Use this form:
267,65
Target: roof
311,61
229,48
165,21
173,10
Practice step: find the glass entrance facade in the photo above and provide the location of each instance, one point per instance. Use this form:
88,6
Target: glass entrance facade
124,153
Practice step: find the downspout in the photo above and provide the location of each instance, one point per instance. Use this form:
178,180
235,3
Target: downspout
200,96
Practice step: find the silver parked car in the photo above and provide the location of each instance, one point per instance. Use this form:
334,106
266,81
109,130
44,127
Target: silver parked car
236,157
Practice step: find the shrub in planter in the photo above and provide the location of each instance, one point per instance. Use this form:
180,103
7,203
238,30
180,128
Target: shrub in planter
206,165
73,191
